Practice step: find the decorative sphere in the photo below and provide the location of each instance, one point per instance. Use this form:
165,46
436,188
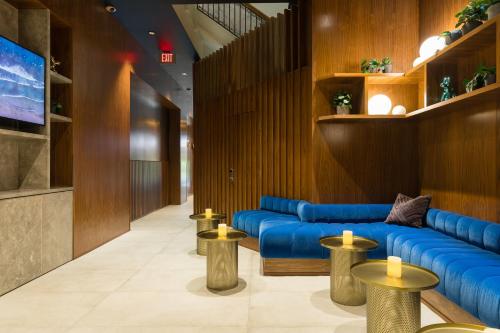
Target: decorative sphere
431,46
398,110
379,105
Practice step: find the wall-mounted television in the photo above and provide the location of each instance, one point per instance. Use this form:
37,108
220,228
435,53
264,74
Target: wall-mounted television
22,83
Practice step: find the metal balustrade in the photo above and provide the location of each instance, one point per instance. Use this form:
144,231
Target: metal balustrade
237,18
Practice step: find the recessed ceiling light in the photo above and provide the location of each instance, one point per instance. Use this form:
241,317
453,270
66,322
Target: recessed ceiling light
184,74
152,33
110,8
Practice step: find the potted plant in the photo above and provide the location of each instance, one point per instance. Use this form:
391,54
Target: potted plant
451,36
472,16
371,66
386,65
342,101
493,8
489,74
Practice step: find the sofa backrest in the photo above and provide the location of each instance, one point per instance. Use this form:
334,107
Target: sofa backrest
280,205
480,233
343,213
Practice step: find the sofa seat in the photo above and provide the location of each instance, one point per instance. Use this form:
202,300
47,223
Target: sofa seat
250,220
294,239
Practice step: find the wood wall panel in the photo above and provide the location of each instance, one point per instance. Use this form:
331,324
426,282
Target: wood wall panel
368,162
147,187
252,119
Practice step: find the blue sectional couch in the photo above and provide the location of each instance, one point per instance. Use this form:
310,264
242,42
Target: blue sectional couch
463,251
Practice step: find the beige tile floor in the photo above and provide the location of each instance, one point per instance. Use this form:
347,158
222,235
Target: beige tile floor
151,280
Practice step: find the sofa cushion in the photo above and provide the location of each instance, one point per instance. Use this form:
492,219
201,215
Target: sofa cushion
250,220
348,213
473,231
290,239
279,205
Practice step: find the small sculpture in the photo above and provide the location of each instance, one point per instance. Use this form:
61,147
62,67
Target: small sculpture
53,64
448,91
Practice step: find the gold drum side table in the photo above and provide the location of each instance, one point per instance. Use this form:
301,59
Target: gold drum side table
222,258
203,223
344,288
393,304
452,328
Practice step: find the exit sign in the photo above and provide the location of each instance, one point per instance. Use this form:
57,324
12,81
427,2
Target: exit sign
167,58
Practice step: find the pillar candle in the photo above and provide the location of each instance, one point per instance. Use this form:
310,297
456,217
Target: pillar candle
208,213
347,238
394,267
222,230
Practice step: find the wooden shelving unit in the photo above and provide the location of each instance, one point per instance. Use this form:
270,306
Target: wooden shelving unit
56,118
56,78
22,135
418,89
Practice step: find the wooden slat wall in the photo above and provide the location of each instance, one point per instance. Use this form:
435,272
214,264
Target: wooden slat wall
252,115
146,187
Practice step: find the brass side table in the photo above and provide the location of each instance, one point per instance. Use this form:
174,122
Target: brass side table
393,304
222,258
344,289
203,223
452,328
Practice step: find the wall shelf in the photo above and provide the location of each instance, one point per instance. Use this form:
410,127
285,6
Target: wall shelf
57,78
21,135
56,118
357,117
490,92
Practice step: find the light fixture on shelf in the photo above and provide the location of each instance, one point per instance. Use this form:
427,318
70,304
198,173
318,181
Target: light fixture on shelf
398,110
379,105
152,33
431,46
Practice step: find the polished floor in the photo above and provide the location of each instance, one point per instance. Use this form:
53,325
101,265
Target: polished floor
151,280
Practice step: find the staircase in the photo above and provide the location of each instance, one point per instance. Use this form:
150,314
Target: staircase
237,18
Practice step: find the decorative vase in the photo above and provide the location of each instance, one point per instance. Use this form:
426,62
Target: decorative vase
453,36
469,26
493,11
343,109
490,79
388,68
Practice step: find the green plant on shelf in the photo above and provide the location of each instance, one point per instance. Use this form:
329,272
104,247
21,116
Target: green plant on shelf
472,15
482,77
371,66
342,101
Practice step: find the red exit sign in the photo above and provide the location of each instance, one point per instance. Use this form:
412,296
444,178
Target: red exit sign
167,58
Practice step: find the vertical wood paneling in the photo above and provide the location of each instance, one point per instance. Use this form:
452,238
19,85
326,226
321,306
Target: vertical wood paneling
251,116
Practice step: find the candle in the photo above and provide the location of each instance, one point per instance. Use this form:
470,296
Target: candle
394,267
222,230
208,213
347,237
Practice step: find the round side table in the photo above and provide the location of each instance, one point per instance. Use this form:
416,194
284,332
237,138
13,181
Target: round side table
344,289
222,258
203,223
393,304
452,328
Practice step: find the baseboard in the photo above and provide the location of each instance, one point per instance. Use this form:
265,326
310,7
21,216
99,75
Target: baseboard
448,310
291,267
251,243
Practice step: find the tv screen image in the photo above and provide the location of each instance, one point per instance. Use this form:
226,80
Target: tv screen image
22,83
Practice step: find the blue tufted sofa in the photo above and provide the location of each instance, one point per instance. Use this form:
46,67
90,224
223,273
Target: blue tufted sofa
463,251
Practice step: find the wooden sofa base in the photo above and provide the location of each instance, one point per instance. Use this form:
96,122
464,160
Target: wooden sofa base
251,243
291,267
448,310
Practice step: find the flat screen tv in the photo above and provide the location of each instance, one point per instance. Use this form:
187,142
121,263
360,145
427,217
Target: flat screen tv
22,83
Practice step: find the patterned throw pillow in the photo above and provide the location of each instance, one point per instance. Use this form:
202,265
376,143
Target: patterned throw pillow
408,211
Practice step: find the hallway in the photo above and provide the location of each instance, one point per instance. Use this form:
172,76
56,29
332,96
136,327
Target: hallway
151,280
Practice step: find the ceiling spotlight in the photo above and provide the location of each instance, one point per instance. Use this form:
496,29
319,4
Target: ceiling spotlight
184,74
152,33
110,9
